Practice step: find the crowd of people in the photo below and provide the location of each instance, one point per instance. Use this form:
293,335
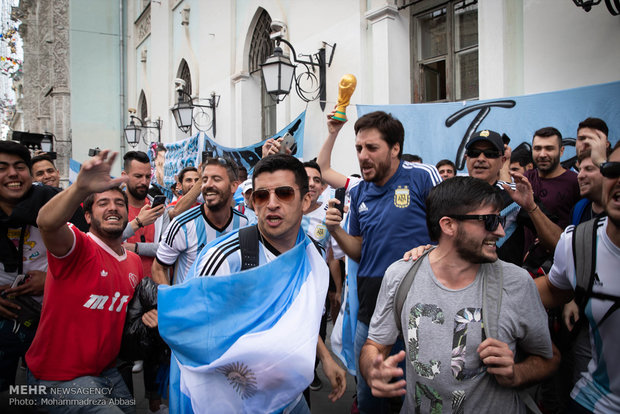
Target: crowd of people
491,290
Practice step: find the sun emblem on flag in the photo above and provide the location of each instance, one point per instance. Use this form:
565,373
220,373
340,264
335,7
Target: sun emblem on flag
241,377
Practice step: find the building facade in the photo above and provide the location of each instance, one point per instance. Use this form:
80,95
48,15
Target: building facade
87,63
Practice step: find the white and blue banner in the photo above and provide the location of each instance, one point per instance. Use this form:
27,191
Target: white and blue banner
188,152
440,130
74,170
343,334
245,342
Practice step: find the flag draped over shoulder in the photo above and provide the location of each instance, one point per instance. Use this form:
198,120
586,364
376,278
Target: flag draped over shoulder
343,335
245,342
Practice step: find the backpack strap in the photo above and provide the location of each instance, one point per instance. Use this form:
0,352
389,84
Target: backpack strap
248,244
403,289
578,210
584,259
492,289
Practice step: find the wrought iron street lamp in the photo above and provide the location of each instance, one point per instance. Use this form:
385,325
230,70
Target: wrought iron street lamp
134,132
279,72
183,111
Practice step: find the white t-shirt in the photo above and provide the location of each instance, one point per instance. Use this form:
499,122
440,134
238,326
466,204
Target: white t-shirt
598,389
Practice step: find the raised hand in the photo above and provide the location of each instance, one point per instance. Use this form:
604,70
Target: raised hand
94,176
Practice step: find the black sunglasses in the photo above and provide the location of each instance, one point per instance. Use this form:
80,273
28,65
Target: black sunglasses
491,221
475,153
284,193
610,169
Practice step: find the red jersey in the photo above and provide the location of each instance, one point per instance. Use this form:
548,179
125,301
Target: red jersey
144,234
84,307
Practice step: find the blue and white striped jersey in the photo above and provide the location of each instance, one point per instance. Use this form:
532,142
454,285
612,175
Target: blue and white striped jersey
187,234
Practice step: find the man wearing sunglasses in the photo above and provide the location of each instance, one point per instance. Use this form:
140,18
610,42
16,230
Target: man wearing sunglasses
189,232
598,389
484,159
450,360
280,197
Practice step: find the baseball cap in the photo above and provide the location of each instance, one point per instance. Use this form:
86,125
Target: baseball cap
487,135
246,185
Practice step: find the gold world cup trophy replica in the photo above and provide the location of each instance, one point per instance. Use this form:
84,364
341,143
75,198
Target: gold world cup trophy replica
346,87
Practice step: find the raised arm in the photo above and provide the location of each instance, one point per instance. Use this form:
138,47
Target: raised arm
350,245
187,201
548,232
52,221
331,176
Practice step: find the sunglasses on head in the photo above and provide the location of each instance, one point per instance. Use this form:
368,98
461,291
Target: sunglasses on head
610,169
224,163
475,153
284,193
491,221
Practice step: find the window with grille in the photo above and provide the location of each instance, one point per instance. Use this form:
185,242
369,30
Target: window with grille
184,73
143,108
445,50
261,48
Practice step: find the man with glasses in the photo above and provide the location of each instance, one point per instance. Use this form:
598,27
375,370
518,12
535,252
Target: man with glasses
451,363
189,232
280,196
598,389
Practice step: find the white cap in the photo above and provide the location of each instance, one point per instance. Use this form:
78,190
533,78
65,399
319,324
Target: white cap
246,185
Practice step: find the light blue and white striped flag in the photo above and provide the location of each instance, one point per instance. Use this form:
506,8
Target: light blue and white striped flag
246,342
343,335
74,170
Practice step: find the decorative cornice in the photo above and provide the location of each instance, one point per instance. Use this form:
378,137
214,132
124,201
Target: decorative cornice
142,25
239,77
382,13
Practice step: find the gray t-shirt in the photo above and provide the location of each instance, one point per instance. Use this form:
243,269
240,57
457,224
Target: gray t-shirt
442,330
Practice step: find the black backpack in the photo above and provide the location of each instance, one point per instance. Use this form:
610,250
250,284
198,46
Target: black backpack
584,258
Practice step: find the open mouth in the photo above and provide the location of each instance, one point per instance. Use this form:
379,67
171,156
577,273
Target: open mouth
273,220
112,218
14,185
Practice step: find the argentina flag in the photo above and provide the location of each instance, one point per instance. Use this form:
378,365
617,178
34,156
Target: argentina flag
245,342
343,335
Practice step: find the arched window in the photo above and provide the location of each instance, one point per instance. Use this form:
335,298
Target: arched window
261,48
143,109
184,73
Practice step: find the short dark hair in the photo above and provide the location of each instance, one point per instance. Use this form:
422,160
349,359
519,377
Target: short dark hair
391,129
522,156
160,147
17,149
313,164
458,195
276,162
243,173
594,123
87,205
547,132
184,171
230,165
411,158
139,156
446,162
42,157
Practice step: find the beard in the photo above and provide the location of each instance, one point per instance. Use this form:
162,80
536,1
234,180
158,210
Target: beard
553,164
111,233
382,168
222,200
470,249
139,193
